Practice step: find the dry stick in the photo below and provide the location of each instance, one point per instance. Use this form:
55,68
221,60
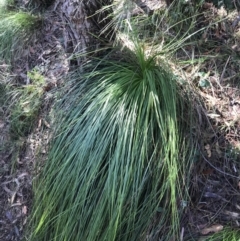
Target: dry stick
182,234
224,70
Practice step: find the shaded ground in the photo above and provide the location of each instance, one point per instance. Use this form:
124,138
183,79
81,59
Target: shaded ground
47,54
215,180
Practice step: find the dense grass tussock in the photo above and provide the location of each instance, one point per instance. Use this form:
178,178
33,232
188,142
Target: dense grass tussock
116,170
14,32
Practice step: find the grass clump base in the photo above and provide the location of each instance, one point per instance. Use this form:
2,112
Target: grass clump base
116,170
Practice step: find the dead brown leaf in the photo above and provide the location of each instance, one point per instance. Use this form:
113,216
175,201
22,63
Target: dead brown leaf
24,210
214,228
46,124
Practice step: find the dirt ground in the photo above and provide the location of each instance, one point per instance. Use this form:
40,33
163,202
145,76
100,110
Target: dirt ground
18,159
215,181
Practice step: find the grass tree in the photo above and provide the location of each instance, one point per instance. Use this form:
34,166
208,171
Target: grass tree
116,170
118,166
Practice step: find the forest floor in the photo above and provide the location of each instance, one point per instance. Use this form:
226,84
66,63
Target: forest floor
214,75
19,154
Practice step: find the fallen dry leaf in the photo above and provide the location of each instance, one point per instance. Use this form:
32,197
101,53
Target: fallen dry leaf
39,123
46,124
222,12
233,215
214,228
24,210
208,150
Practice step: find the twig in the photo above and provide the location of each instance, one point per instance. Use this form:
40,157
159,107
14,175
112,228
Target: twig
224,70
182,234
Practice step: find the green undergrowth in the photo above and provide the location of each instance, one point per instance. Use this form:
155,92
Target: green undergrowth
118,168
227,234
15,31
26,103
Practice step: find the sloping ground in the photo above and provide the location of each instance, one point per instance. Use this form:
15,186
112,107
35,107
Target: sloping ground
47,58
48,53
215,174
215,181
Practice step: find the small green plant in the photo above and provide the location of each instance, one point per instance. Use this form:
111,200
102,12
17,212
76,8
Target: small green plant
36,78
26,106
14,33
